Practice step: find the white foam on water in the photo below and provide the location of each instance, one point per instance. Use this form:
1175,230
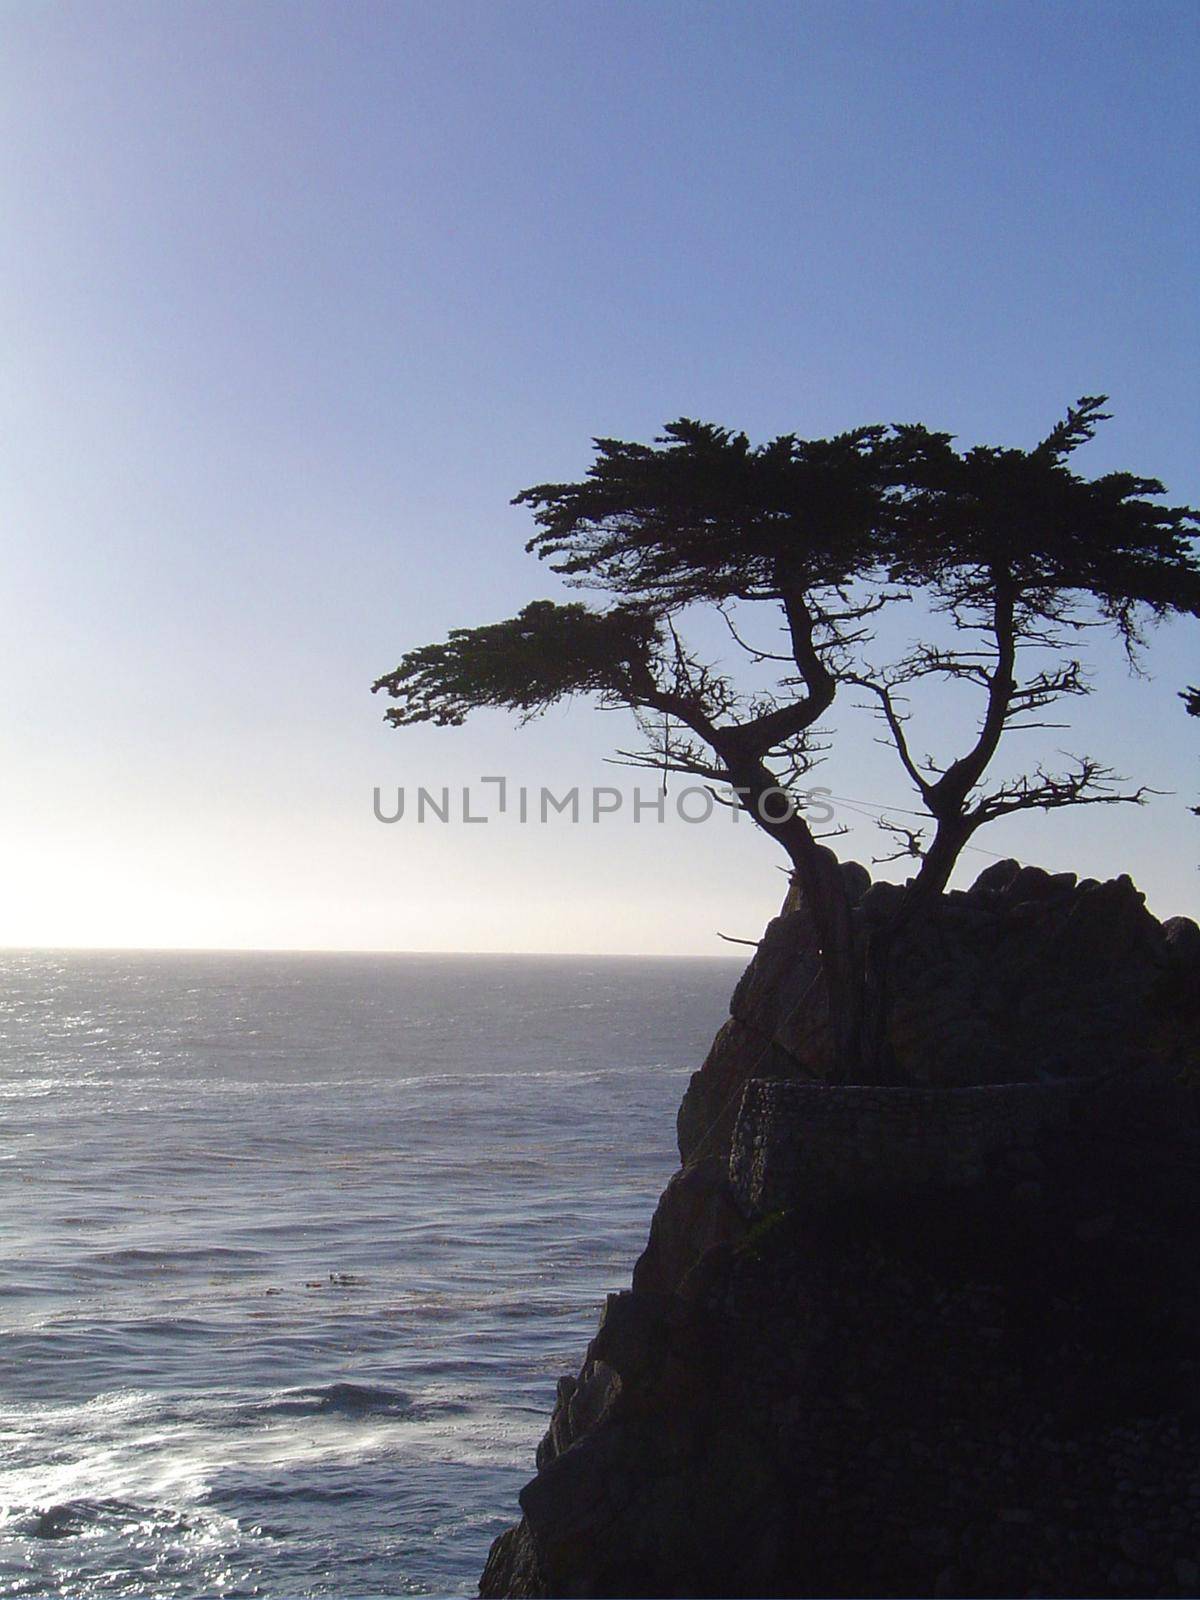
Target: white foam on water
248,1200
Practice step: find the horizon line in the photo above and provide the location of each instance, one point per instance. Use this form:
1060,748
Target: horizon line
314,950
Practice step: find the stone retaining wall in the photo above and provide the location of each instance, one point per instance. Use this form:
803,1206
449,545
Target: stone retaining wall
795,1140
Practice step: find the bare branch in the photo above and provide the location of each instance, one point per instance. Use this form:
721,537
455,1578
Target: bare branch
912,848
751,650
1089,784
895,725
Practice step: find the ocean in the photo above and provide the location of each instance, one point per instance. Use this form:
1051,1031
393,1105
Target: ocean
296,1246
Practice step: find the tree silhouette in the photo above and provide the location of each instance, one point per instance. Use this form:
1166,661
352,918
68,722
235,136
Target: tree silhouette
1022,556
1017,553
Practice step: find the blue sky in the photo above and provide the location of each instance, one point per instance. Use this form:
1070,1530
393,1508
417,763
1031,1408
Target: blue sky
297,296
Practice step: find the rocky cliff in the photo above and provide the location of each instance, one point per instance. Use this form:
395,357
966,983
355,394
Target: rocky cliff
938,1339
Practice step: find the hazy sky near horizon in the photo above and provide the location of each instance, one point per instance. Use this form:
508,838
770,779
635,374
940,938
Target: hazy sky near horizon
296,296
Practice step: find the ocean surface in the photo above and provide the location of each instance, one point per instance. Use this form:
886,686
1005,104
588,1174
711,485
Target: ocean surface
295,1247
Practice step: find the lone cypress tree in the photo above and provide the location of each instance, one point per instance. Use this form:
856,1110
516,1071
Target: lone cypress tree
1018,553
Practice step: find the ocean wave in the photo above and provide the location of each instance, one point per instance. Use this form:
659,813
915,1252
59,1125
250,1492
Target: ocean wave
172,1256
74,1518
340,1399
451,1154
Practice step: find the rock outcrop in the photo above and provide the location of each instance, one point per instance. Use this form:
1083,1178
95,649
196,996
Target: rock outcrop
939,1339
1025,976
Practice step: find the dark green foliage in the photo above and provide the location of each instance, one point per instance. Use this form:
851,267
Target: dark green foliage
1022,518
702,515
541,656
772,1231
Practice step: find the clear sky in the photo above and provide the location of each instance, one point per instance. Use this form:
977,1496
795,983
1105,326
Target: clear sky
296,296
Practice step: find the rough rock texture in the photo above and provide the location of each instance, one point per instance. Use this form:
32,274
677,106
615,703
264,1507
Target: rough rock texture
926,1341
1024,976
798,1143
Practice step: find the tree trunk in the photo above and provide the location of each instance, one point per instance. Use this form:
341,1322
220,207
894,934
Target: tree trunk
816,874
824,894
877,1062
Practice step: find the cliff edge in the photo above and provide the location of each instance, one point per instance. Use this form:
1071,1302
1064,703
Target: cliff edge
931,1339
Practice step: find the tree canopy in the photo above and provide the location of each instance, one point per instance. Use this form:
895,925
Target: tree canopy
544,654
1017,554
